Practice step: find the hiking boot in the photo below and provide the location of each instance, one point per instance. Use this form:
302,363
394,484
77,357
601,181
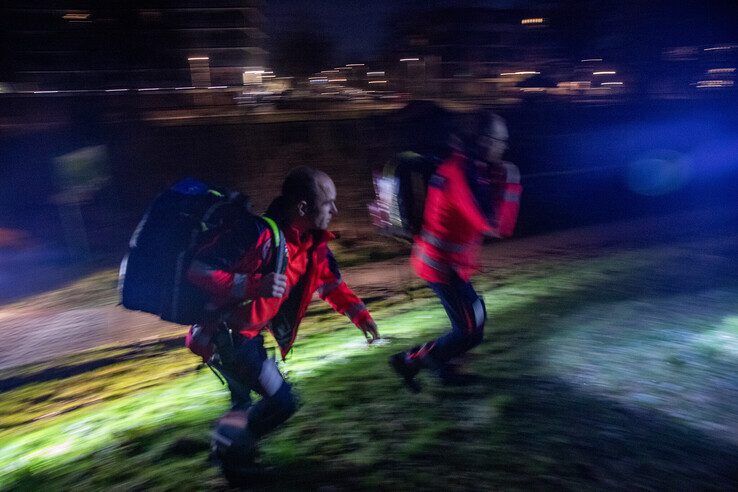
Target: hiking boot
406,371
233,446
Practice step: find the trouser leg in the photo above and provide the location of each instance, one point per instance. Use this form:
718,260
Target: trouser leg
256,371
240,395
467,314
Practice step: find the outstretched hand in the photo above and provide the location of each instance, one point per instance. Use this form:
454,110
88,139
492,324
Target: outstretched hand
370,331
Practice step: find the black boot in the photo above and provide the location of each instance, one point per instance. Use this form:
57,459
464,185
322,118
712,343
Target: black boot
233,447
406,370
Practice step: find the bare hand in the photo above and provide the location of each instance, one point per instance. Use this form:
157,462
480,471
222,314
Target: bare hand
369,329
273,285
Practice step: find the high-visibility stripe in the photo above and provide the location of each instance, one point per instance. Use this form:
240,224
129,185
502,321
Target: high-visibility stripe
478,312
221,439
436,265
269,378
237,420
355,309
326,289
240,283
512,171
442,244
421,351
512,196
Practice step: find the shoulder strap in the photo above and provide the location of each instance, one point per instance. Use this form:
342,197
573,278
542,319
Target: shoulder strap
279,244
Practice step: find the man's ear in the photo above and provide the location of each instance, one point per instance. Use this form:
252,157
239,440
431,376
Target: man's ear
302,208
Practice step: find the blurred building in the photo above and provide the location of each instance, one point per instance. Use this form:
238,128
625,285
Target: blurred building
659,48
571,48
464,50
105,44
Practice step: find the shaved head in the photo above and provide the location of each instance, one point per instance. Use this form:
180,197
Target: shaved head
309,198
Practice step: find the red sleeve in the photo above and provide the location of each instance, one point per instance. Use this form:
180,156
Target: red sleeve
458,189
335,292
225,280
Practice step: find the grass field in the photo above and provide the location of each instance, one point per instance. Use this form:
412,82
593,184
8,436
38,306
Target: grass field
613,371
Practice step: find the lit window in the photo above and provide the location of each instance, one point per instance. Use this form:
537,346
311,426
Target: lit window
77,15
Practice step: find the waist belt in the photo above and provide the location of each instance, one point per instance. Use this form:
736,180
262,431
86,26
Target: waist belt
442,244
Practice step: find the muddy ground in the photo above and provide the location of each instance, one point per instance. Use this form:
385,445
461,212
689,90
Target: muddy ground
50,326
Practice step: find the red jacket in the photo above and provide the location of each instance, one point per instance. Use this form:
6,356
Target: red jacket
453,226
236,283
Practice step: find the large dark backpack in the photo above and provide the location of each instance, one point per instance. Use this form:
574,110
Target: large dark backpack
421,132
400,190
153,275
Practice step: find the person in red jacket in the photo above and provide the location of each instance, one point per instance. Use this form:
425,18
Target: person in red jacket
237,273
456,219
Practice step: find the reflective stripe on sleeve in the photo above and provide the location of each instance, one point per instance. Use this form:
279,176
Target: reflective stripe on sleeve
512,196
355,309
240,283
512,171
326,289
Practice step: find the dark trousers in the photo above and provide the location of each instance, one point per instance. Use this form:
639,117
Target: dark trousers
248,368
467,313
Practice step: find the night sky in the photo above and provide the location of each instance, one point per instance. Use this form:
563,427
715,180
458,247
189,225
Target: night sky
356,28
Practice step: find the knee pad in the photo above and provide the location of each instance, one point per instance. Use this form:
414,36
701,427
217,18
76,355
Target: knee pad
480,317
480,314
284,400
276,389
272,411
270,379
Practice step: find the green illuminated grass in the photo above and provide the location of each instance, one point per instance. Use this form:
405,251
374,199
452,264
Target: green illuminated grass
594,373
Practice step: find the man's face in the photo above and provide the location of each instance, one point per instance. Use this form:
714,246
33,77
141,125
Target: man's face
324,207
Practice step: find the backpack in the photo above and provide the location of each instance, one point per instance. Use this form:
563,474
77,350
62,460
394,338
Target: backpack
402,186
400,191
153,275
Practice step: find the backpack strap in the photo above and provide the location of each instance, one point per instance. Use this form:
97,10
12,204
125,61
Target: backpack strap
280,245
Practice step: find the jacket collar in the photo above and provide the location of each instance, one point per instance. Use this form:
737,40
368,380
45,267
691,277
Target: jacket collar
315,236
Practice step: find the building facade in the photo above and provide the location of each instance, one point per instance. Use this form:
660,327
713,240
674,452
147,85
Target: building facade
104,44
